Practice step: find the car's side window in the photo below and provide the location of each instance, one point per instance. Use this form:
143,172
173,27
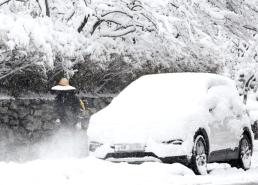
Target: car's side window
225,109
223,105
223,97
216,101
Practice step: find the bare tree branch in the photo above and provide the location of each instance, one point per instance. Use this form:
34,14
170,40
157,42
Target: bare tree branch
110,75
5,2
121,12
15,70
149,20
135,6
250,28
106,20
174,5
137,25
119,33
69,18
85,3
84,22
121,26
96,25
39,5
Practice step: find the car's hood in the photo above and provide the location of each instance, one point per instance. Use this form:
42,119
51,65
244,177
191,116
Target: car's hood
111,125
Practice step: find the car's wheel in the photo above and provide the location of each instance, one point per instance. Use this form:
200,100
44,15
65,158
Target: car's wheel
199,156
245,154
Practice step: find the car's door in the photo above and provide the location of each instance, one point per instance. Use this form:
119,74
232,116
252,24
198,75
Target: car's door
225,117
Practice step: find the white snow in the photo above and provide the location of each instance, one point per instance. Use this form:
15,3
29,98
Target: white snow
63,88
89,170
39,35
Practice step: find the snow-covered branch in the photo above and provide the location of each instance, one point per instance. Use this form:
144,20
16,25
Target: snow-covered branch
5,2
249,27
117,11
118,33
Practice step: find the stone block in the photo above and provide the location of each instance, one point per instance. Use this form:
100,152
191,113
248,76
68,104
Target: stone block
4,119
48,116
49,125
13,106
22,112
13,123
38,112
3,110
31,126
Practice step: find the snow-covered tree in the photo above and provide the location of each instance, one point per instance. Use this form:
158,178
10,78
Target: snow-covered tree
121,39
36,46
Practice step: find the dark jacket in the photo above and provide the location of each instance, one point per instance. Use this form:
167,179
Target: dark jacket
67,106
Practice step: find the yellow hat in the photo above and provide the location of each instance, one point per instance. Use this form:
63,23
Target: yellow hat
63,85
63,82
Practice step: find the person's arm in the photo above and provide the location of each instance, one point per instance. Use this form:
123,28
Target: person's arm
76,105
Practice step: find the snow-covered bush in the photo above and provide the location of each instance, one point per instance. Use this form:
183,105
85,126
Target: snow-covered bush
136,36
33,47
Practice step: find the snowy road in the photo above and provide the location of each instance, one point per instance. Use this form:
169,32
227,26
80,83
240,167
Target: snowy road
92,171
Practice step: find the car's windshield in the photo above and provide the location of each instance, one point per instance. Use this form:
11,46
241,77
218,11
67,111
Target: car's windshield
157,90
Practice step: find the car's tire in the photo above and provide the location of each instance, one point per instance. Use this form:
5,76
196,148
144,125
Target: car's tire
245,154
199,156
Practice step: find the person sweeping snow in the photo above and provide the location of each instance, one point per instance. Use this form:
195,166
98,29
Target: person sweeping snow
67,105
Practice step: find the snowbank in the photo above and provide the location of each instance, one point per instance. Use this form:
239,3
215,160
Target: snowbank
71,171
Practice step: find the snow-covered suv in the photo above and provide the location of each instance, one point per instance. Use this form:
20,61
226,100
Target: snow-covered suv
192,118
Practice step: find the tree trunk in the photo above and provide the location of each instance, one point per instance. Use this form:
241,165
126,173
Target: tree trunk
47,8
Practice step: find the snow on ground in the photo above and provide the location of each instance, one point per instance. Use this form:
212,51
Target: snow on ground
88,170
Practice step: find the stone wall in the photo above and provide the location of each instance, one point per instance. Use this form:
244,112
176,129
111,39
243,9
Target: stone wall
27,120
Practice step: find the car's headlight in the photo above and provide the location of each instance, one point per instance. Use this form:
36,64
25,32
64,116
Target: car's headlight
94,145
174,142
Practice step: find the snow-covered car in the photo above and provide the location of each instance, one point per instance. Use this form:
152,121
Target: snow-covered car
191,118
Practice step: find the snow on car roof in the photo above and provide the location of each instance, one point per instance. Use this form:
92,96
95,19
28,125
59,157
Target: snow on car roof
183,79
178,87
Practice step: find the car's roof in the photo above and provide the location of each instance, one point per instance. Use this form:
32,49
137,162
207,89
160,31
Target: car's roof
182,85
207,79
